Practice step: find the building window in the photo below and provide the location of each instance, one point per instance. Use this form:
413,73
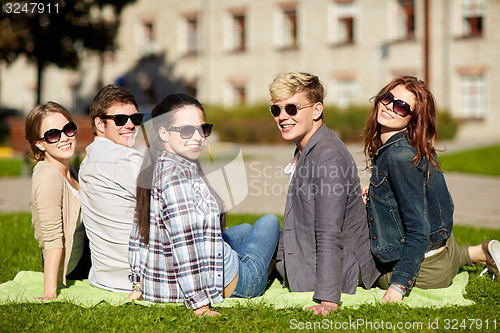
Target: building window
343,16
406,19
290,28
191,88
473,13
192,34
239,32
347,92
239,94
148,38
473,96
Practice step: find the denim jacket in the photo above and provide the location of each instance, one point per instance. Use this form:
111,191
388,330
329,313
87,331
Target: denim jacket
408,212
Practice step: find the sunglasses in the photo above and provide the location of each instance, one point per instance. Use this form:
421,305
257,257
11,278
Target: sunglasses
399,107
121,119
54,135
188,131
291,109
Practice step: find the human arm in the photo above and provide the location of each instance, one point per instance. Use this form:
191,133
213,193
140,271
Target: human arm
190,229
48,185
52,260
392,294
134,262
329,210
408,185
324,308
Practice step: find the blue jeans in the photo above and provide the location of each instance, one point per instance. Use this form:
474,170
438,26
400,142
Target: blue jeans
255,246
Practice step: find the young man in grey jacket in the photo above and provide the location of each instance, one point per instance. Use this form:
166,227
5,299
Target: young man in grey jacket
324,246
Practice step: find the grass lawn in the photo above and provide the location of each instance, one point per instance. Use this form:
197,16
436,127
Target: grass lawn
19,251
483,161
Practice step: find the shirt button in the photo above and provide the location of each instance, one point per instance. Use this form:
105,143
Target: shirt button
219,254
374,238
378,257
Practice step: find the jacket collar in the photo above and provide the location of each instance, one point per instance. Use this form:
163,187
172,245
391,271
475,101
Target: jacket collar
393,139
315,138
167,156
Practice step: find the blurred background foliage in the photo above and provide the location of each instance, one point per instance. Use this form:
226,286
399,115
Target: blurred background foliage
255,125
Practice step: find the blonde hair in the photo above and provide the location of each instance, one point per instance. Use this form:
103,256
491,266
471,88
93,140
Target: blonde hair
286,85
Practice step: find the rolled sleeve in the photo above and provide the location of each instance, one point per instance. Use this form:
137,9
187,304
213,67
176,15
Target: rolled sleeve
191,263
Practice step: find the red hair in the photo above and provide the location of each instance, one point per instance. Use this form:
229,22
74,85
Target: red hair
422,128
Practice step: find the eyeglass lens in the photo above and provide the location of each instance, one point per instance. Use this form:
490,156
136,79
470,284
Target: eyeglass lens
54,135
291,109
187,132
121,119
399,107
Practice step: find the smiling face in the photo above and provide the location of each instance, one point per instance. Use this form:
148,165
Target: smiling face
172,141
300,127
123,135
390,121
62,150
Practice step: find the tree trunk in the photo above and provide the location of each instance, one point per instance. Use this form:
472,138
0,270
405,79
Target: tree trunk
39,64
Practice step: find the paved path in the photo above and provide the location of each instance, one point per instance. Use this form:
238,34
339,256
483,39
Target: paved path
476,198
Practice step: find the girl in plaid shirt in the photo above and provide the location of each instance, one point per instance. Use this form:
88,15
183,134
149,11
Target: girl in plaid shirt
178,250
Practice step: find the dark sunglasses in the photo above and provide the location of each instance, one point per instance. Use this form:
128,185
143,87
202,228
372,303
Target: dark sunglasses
399,107
54,135
291,109
121,119
188,131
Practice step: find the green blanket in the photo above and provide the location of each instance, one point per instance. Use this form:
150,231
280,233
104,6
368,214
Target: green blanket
28,285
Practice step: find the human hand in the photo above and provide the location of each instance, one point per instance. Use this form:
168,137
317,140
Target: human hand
364,194
45,298
205,311
324,308
392,296
134,295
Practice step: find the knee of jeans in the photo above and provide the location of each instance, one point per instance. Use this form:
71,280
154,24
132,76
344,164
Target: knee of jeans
271,221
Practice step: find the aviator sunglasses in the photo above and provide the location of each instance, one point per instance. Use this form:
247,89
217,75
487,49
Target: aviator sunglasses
291,109
54,135
399,107
121,119
188,131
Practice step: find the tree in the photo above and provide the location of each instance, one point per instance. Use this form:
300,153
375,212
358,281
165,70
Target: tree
57,32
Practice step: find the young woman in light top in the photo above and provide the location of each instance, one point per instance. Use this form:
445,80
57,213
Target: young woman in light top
55,202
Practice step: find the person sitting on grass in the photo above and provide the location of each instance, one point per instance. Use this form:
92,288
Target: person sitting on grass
410,209
55,197
178,250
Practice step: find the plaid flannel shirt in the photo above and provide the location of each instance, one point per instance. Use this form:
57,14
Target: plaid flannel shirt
184,259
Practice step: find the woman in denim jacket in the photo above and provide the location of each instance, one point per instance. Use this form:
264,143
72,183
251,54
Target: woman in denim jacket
410,209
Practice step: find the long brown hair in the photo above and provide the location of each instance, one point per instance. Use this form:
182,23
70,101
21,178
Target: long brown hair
166,108
422,128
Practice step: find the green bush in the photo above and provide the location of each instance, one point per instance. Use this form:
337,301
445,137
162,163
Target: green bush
447,126
254,124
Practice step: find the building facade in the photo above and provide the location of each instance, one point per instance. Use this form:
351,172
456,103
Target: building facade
228,51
